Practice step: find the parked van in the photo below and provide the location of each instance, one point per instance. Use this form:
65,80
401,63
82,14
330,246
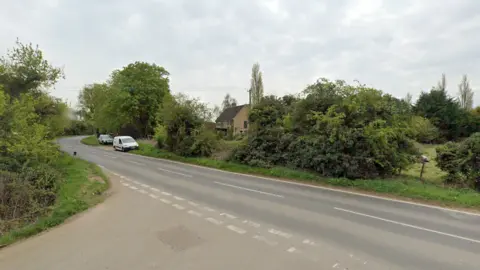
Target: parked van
124,143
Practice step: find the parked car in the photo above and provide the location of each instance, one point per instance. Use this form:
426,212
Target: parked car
124,143
105,139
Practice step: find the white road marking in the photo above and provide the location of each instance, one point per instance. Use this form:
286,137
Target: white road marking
265,240
214,221
248,189
409,225
251,223
142,191
191,212
103,167
133,187
193,204
116,174
136,182
145,186
178,206
236,229
279,233
313,186
209,209
182,174
166,193
109,156
125,184
228,215
153,196
292,249
165,201
154,189
134,162
335,265
309,242
178,198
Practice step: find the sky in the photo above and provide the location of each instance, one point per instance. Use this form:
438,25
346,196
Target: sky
209,46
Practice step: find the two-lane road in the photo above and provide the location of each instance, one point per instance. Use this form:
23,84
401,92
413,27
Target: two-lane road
347,230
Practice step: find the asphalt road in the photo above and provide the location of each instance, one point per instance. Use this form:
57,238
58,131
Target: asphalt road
343,229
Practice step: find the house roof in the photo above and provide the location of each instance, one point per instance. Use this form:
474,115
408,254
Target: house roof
229,113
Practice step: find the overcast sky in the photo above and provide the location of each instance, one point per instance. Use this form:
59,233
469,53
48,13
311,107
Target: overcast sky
209,46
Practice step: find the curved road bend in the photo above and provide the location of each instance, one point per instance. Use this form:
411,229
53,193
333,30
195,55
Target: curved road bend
266,224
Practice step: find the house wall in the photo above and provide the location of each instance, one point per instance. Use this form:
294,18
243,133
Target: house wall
239,119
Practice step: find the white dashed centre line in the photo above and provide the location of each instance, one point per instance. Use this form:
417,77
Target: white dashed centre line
142,191
279,233
182,174
265,240
209,209
134,162
136,182
248,189
292,249
178,206
251,223
193,204
236,229
214,221
165,201
194,213
166,193
178,198
145,186
125,184
154,189
153,196
228,215
133,187
309,242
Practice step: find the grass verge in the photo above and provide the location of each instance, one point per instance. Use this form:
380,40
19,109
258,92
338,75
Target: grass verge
406,187
83,186
90,140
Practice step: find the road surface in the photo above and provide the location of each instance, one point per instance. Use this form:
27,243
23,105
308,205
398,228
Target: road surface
270,224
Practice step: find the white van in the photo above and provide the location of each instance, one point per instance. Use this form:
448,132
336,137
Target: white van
124,143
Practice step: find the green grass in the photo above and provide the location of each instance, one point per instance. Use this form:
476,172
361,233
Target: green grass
431,172
90,140
407,187
83,186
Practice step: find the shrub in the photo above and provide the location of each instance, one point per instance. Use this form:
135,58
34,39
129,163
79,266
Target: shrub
160,136
204,143
461,161
423,130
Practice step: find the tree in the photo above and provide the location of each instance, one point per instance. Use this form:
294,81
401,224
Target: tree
256,85
91,98
442,84
465,94
228,102
24,69
408,98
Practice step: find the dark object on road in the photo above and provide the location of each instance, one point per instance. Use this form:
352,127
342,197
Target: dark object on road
74,153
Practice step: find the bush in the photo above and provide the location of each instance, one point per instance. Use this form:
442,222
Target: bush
461,161
160,136
77,127
204,143
336,130
423,130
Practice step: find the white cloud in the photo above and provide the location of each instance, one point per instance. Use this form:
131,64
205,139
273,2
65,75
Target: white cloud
209,46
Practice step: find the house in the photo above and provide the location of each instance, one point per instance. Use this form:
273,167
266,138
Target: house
235,118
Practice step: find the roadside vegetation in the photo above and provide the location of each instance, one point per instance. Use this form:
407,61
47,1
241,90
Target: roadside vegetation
39,185
90,140
331,133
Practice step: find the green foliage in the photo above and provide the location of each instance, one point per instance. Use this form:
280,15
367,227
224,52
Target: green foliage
338,130
132,98
160,136
204,143
78,127
461,161
423,130
24,69
90,140
446,114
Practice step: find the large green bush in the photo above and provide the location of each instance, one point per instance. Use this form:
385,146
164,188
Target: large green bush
335,129
461,161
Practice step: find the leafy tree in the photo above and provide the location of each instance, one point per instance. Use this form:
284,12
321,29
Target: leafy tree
91,98
142,88
228,102
465,94
408,99
256,85
24,69
423,130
